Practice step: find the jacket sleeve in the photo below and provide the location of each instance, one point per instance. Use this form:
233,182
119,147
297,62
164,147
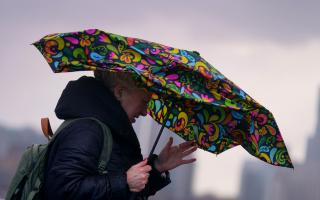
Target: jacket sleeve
72,167
157,180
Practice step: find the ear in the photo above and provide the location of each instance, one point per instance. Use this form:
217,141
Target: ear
117,91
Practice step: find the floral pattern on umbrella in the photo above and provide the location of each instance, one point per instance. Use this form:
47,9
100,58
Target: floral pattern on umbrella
208,107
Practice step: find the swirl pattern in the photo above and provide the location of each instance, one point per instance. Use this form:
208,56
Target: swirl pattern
208,107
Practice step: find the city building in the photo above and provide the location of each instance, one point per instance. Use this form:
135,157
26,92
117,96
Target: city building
262,182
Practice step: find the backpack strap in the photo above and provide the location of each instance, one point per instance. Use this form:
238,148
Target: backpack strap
107,141
106,149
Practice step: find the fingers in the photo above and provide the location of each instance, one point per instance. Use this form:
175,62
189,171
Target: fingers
186,145
169,143
189,151
187,161
174,149
145,169
142,167
142,163
188,148
138,175
138,187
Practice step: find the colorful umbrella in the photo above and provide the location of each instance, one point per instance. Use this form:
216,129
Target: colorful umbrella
205,105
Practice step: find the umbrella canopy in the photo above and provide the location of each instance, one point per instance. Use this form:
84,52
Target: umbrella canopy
206,106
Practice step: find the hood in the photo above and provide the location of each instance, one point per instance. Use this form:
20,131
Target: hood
88,97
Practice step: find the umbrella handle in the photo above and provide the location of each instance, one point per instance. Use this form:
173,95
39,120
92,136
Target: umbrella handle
161,130
133,195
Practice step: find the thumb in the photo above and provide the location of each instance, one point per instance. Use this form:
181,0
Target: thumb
142,163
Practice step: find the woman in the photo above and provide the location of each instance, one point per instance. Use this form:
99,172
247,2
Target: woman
71,171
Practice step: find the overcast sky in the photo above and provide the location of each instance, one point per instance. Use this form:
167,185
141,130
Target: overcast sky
268,48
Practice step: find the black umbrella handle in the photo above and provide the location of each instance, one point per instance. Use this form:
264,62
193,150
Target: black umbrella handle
170,108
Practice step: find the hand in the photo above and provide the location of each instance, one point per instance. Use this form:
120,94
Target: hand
173,156
137,176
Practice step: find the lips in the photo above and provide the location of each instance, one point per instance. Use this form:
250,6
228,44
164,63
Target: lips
133,119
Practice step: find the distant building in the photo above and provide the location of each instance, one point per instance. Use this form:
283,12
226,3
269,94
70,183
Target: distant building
265,183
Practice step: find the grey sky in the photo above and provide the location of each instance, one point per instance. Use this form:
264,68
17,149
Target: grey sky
280,21
269,48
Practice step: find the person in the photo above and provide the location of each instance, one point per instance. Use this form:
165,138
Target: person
71,168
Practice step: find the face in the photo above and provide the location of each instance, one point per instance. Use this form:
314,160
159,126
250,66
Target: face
134,101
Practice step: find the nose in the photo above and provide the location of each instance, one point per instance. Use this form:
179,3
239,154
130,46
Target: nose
145,112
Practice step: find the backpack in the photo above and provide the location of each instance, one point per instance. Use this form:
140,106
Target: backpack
28,179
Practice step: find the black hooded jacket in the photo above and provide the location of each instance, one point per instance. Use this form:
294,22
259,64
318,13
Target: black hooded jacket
72,167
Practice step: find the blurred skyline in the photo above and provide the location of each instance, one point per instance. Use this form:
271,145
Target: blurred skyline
268,48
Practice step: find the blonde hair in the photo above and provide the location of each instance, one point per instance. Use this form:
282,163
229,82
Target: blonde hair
111,79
